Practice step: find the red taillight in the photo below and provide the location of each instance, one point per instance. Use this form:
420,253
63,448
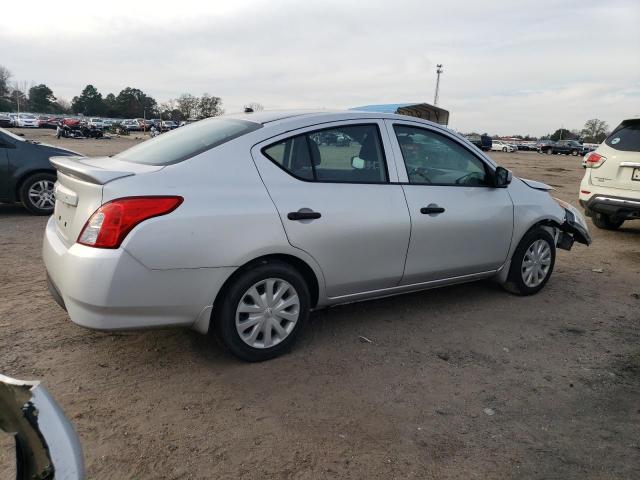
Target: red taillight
593,160
108,225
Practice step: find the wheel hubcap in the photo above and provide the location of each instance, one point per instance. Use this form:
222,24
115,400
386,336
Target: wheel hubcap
267,313
41,194
536,263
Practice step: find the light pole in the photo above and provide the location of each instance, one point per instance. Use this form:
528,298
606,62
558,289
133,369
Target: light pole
439,70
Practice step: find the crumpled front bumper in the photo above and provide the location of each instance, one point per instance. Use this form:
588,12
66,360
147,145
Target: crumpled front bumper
573,230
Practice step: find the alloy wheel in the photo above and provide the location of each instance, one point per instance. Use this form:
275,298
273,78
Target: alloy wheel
41,194
267,313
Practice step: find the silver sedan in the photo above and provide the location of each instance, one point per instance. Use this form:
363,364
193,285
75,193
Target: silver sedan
240,225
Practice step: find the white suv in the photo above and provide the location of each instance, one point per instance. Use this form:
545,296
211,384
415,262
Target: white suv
610,189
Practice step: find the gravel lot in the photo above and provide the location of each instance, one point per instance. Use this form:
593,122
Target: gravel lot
461,382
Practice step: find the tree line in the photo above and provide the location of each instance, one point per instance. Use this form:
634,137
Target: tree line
129,103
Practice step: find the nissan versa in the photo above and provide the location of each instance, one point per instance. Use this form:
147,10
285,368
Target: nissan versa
240,225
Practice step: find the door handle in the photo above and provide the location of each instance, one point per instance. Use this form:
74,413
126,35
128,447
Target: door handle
431,209
303,214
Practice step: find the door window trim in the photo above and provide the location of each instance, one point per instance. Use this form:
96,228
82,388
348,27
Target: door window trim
489,168
333,127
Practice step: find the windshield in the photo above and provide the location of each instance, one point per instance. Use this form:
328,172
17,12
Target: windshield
13,136
186,142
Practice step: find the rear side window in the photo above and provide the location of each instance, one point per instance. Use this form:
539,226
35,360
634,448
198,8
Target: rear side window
351,154
626,137
186,142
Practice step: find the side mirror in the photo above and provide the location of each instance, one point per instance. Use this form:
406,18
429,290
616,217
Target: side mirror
357,163
501,177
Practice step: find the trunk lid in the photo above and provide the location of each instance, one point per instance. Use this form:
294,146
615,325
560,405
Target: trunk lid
622,151
79,189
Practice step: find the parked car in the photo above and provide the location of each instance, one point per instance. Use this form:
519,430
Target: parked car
131,125
46,444
610,188
253,223
26,120
568,147
107,123
5,121
95,123
168,125
25,172
483,142
500,146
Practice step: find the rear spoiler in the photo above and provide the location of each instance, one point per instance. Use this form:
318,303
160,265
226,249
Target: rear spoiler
99,170
73,167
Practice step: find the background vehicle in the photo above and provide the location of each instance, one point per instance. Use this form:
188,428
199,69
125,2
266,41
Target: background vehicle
483,142
26,175
500,146
5,121
545,146
168,125
568,147
95,123
131,125
26,120
610,188
180,233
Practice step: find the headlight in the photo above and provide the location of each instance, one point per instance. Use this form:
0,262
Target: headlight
573,214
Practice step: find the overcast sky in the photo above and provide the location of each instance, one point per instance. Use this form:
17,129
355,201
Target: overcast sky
509,66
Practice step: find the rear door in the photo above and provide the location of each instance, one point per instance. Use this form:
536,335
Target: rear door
331,187
459,224
622,150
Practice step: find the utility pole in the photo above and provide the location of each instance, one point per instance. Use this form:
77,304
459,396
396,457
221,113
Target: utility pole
439,70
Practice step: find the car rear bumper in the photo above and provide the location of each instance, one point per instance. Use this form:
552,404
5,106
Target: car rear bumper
621,207
107,289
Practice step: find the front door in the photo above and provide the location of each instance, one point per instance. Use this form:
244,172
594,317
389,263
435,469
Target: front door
459,224
331,187
4,168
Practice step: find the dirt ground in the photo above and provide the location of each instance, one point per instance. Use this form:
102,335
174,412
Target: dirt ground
462,382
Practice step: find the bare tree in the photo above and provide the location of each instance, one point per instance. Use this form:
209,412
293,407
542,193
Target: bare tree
209,106
5,75
595,130
188,105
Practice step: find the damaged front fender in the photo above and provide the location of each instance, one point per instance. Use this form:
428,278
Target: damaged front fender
47,446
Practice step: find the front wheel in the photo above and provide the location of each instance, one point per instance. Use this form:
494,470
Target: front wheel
37,195
532,263
504,149
263,311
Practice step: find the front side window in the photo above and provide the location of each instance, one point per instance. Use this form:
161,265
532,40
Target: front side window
432,158
352,154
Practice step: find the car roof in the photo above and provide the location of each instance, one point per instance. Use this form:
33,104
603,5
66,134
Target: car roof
281,117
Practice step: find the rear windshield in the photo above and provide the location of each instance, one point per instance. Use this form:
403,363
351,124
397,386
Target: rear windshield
626,137
186,142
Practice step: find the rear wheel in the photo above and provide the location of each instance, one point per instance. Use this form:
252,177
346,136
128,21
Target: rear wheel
532,263
36,193
574,153
263,311
606,222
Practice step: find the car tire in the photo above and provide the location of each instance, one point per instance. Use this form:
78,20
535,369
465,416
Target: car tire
36,193
549,151
606,222
574,153
247,337
504,149
532,263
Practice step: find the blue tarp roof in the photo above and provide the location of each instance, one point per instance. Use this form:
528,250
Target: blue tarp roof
384,108
416,109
